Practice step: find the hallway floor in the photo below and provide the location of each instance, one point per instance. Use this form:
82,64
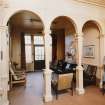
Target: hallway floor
93,96
33,93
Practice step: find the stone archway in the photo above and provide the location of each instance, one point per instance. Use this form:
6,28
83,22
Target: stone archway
63,29
25,23
5,48
69,29
92,37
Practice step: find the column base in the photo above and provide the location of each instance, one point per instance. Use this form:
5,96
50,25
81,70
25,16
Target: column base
6,103
47,78
80,91
48,98
100,84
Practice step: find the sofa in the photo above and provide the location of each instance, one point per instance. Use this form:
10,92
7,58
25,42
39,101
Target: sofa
89,75
62,76
62,67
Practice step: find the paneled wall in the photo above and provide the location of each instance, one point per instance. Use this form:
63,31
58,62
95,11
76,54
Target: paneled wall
58,46
16,47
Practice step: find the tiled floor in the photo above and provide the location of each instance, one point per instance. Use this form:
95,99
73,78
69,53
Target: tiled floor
33,93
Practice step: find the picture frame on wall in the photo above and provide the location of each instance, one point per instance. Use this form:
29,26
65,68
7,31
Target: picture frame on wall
89,51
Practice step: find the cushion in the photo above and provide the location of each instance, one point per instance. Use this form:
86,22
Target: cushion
67,66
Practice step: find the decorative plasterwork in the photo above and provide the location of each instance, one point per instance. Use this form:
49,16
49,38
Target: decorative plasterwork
4,3
100,3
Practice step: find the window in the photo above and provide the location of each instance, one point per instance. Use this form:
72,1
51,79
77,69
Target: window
39,47
28,49
39,53
27,39
38,40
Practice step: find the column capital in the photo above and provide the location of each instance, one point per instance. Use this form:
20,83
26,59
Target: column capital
3,28
79,67
101,36
48,40
77,35
47,31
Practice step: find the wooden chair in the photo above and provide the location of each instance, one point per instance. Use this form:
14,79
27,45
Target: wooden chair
16,77
62,82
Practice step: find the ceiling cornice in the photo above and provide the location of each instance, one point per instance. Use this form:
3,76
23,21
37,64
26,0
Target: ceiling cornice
100,3
4,3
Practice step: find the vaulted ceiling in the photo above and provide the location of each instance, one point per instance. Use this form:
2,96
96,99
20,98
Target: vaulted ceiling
95,2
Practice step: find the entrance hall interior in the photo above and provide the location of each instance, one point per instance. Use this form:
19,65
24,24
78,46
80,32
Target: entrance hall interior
52,52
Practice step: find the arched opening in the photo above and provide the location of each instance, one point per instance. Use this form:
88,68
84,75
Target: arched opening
91,50
27,54
63,30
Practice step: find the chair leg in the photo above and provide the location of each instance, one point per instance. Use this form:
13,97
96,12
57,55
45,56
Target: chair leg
72,91
11,85
103,91
72,86
56,91
56,94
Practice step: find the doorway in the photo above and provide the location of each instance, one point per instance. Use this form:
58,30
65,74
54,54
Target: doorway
39,55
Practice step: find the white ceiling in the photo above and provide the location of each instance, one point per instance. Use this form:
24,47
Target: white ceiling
26,20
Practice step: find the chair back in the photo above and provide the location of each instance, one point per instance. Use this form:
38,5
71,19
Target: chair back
104,76
65,81
12,72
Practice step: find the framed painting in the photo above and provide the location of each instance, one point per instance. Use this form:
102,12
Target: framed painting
89,51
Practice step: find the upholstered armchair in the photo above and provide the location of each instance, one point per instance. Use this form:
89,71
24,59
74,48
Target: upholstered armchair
62,82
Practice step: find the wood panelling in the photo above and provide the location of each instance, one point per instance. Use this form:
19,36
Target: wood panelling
58,44
23,58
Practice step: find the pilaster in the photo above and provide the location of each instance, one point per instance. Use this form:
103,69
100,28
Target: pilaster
101,57
4,64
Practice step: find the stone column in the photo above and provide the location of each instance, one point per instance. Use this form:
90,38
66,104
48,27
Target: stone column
79,69
101,57
4,64
47,72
